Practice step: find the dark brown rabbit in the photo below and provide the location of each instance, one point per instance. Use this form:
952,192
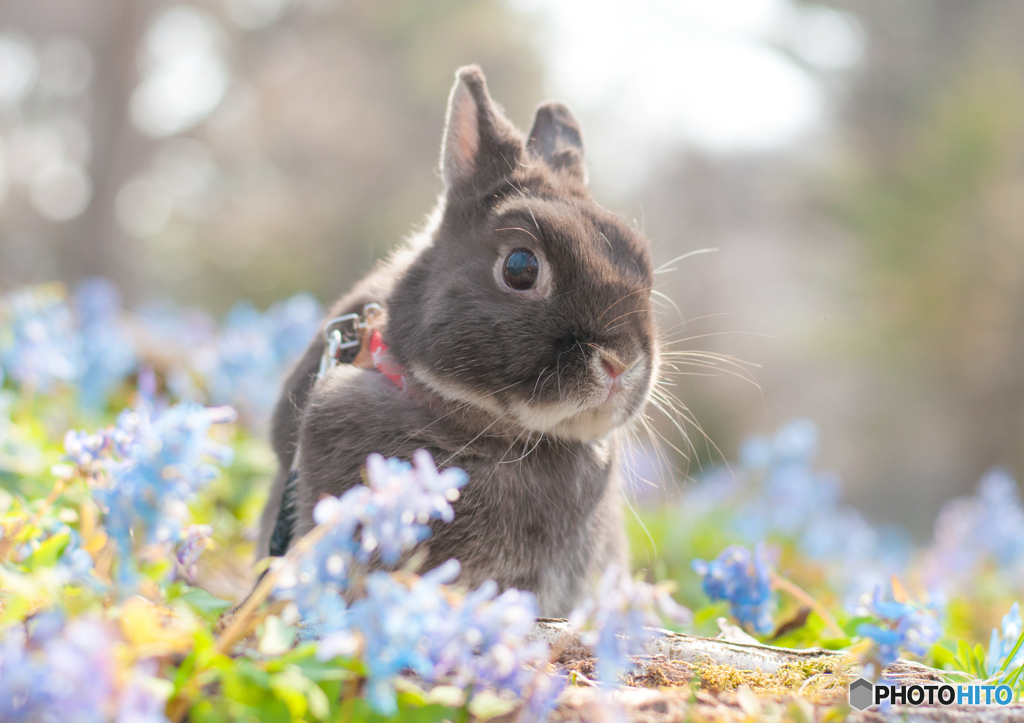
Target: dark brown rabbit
523,319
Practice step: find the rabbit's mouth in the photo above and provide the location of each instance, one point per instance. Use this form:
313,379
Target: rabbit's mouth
614,394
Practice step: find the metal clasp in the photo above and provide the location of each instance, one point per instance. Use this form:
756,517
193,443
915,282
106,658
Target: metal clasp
340,333
345,332
347,328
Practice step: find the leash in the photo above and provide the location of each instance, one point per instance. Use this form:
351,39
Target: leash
350,339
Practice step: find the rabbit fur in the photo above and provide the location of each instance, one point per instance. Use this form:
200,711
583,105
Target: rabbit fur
525,390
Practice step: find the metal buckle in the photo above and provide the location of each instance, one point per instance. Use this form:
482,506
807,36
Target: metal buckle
347,327
343,332
340,333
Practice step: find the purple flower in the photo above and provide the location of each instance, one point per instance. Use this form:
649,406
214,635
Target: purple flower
744,581
192,540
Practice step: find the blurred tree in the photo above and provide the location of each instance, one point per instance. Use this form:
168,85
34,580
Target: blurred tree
936,125
231,148
885,258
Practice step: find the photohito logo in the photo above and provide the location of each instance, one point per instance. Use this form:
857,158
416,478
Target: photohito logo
863,694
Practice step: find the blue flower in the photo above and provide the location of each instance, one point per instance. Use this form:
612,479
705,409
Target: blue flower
181,342
541,698
75,564
970,531
254,352
778,492
293,323
107,350
153,463
902,626
52,672
616,622
403,499
744,581
386,517
39,346
1002,642
404,622
418,625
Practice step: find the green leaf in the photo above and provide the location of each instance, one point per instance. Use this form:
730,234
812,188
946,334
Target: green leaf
979,661
835,643
944,657
1013,653
48,552
202,602
963,657
290,687
1012,680
851,625
486,705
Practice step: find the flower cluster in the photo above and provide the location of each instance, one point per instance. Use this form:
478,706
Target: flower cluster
127,506
403,622
743,580
253,350
971,532
419,625
146,469
386,517
108,356
616,622
52,670
93,345
39,346
782,494
903,625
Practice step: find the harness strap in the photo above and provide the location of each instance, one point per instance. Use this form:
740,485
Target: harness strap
350,339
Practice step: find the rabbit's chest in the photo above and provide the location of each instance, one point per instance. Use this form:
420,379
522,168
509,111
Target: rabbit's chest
543,524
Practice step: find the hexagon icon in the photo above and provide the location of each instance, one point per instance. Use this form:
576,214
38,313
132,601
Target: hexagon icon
861,693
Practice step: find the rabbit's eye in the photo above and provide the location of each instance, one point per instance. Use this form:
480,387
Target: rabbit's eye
521,269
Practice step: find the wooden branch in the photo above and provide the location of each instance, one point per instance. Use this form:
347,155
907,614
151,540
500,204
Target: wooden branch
675,702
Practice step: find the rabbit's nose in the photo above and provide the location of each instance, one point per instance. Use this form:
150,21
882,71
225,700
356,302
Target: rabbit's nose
614,366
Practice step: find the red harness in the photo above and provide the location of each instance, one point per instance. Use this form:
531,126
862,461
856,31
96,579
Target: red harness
383,362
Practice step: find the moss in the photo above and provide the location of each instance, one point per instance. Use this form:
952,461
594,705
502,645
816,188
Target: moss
818,681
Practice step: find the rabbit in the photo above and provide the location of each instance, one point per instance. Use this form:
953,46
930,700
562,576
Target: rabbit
522,317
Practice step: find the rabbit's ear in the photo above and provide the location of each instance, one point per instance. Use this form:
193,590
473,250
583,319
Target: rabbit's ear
481,146
556,139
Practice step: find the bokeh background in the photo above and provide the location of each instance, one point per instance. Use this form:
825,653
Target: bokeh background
857,165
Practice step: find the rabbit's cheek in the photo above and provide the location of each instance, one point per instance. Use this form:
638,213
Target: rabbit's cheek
452,391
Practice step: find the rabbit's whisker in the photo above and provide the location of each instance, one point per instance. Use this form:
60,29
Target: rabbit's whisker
661,269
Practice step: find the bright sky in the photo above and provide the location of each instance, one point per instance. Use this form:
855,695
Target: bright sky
722,75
